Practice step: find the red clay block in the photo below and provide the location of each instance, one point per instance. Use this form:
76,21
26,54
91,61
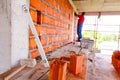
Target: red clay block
54,46
76,62
34,54
54,70
116,60
50,40
32,43
47,49
50,10
44,19
62,71
58,70
55,39
43,30
51,31
43,7
33,14
43,41
53,22
39,5
36,4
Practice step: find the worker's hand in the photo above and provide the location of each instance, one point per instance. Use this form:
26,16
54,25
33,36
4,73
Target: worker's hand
75,14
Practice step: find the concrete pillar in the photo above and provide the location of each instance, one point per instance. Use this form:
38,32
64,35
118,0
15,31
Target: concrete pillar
5,35
13,34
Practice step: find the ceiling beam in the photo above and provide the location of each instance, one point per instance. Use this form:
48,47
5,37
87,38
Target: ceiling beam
71,2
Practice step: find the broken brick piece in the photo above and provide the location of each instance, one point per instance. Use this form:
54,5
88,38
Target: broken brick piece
32,43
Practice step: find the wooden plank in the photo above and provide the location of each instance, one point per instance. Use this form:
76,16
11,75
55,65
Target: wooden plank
13,73
45,76
3,75
8,74
31,73
38,74
21,73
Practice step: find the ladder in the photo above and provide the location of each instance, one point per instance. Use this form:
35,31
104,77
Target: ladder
33,29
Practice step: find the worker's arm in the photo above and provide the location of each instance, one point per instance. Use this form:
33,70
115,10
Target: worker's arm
77,15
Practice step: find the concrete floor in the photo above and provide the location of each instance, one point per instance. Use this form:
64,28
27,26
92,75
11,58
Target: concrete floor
102,69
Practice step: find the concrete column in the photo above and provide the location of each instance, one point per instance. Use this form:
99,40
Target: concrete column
5,35
13,34
19,31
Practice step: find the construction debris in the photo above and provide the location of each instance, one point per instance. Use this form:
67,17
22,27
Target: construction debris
28,62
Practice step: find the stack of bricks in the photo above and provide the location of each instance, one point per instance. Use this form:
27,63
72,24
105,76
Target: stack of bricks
59,67
53,22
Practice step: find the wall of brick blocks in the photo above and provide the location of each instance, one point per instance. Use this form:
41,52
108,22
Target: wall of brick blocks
53,22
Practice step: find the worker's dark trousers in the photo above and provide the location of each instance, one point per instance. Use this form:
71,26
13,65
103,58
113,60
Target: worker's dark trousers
79,31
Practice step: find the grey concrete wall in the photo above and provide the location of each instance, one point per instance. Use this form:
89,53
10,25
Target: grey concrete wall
5,35
13,34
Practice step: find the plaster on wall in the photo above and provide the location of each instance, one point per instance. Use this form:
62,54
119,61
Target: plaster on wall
13,34
5,35
19,32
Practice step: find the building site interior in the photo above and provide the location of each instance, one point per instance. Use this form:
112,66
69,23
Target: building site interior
38,40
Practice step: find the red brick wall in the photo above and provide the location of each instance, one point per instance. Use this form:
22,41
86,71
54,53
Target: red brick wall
53,20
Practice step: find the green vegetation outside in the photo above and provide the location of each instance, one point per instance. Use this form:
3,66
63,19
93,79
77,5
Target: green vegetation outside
100,37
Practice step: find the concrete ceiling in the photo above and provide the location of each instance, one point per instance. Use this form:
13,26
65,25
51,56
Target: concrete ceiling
96,5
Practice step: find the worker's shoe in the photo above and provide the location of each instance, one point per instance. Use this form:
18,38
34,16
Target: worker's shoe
78,40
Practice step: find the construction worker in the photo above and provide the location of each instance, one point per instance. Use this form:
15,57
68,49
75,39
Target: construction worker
80,24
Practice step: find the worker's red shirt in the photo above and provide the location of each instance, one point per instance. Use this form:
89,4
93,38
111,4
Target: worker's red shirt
81,19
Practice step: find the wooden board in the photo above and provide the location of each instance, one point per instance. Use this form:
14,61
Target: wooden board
2,76
45,77
28,73
13,73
